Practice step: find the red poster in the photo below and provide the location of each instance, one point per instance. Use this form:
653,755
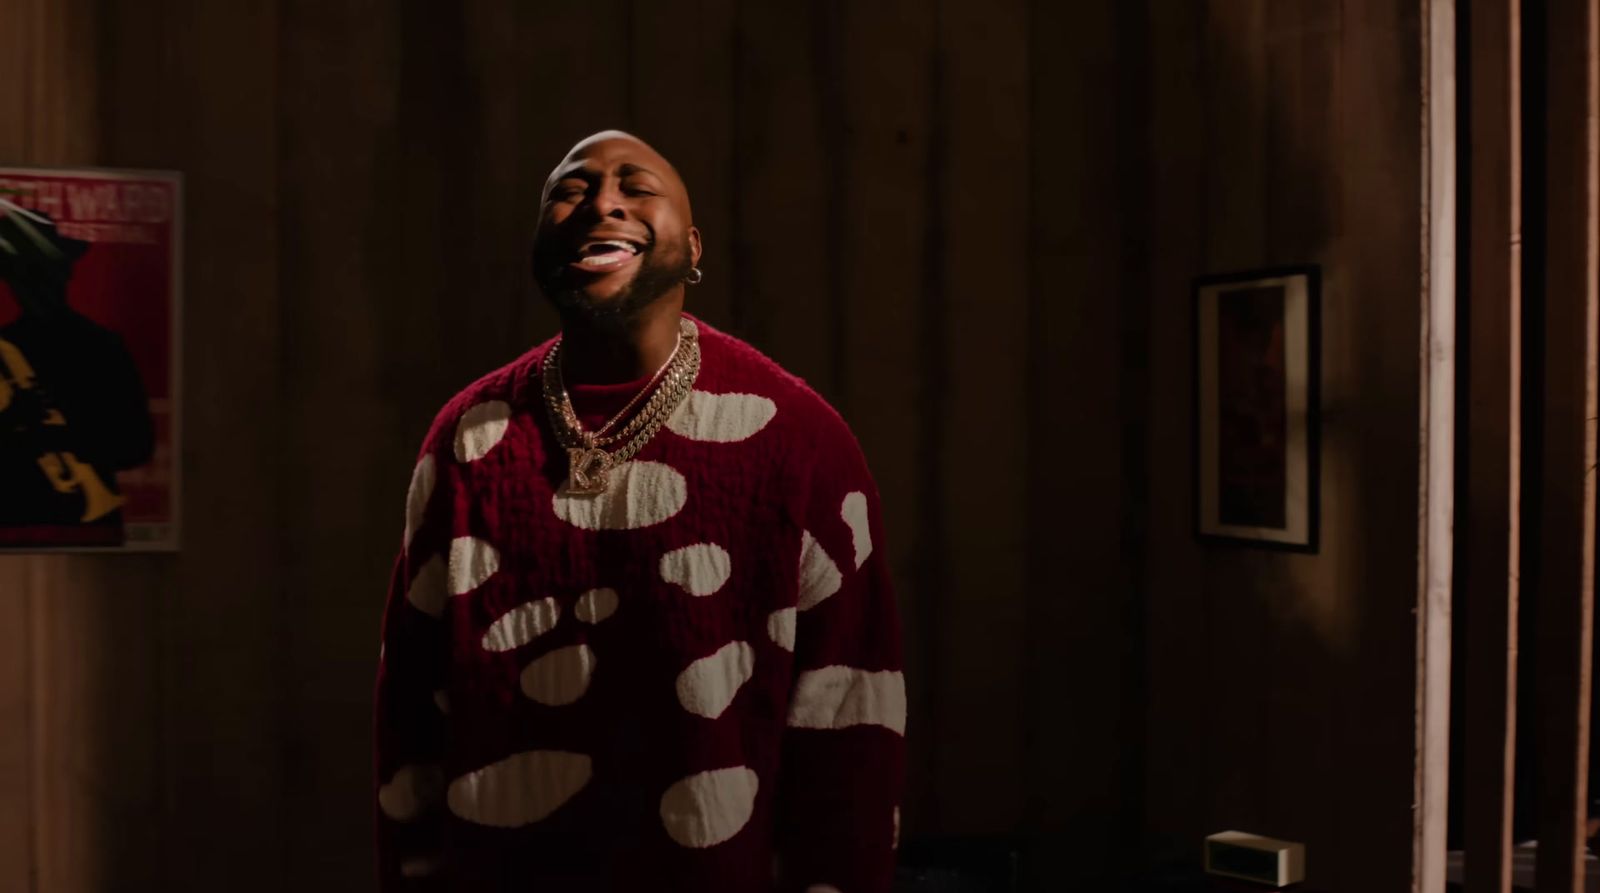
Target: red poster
89,387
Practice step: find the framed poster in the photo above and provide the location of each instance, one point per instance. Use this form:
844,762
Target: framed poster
1257,371
90,295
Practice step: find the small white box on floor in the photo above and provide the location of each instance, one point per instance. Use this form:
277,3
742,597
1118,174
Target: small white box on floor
1251,857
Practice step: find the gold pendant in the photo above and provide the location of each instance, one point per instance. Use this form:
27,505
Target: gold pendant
589,470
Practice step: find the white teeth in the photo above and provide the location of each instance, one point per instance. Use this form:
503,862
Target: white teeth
608,258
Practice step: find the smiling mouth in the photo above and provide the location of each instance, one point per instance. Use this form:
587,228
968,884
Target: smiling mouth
606,253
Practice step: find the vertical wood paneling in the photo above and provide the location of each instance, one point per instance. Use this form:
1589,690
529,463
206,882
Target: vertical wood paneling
17,860
209,109
1304,216
1235,226
1565,615
683,104
1489,585
886,158
84,665
1235,41
60,46
117,669
1287,133
1373,391
788,97
380,83
937,212
1176,802
14,87
500,213
48,110
1436,354
984,204
16,745
98,778
1076,586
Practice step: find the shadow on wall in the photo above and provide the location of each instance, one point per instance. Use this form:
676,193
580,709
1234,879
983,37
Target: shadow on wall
1280,686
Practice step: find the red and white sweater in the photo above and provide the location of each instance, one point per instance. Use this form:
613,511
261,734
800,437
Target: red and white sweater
690,682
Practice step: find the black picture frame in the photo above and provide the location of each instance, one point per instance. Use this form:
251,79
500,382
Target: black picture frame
1257,430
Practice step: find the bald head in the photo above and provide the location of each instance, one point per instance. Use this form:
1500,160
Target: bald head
616,231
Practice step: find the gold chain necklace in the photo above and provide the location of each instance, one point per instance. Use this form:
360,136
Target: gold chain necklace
589,460
598,437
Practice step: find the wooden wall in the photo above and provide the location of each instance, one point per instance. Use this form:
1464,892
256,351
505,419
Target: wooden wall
142,706
971,226
1282,686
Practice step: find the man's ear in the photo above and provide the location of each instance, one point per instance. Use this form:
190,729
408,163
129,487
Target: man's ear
694,245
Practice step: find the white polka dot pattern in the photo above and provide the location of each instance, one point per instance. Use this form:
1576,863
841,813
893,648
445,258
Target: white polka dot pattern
640,494
721,418
819,576
427,590
854,512
411,790
560,677
780,628
522,624
480,429
596,605
520,789
707,686
472,561
417,496
839,697
701,569
709,808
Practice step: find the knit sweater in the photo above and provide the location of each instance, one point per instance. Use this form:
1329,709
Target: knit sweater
689,682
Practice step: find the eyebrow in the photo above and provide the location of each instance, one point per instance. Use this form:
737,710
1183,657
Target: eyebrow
576,172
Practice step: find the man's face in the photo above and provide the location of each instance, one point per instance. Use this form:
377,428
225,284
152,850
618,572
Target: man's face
36,263
614,232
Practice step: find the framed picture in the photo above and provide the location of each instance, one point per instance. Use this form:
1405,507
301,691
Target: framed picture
90,392
1257,370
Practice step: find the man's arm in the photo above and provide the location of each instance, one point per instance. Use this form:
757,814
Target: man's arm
844,748
411,700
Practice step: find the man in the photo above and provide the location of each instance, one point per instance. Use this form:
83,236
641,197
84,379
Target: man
73,410
640,635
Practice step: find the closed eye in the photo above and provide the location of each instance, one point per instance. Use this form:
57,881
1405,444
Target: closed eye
569,188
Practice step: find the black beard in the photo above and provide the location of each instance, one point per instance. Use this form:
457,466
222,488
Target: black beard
659,273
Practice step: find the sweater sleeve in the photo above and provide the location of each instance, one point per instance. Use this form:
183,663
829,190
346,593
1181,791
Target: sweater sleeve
412,698
844,746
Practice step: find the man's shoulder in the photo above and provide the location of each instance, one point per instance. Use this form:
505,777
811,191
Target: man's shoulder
800,414
741,367
506,385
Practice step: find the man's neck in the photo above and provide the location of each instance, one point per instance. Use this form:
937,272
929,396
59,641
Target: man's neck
593,354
